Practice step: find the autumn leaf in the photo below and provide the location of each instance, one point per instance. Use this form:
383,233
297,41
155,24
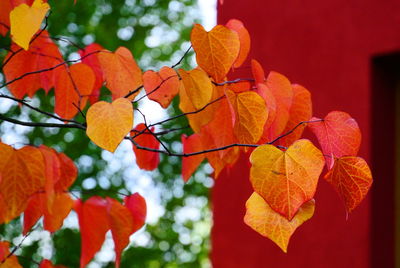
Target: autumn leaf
265,221
161,86
93,225
22,174
121,72
286,180
257,71
53,216
198,87
68,173
216,51
138,208
72,89
97,215
196,120
146,160
282,91
5,16
191,144
244,38
121,225
43,54
89,56
351,178
49,264
52,172
109,123
250,115
338,134
25,21
221,128
270,101
7,261
300,111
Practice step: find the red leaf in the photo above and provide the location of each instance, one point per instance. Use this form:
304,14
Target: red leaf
5,16
72,89
145,159
138,208
191,144
121,224
49,264
93,224
338,134
68,173
161,86
42,54
89,56
258,72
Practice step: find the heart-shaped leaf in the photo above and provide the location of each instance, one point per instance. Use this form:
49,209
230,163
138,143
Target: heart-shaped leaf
109,123
286,180
26,20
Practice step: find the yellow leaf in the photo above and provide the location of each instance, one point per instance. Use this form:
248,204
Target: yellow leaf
26,20
109,123
261,218
250,115
198,87
286,180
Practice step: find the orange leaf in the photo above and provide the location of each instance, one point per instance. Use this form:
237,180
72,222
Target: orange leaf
244,38
72,89
162,86
220,128
351,178
109,123
121,72
270,101
258,72
138,208
198,87
52,171
338,134
68,173
300,111
22,174
145,159
121,224
25,21
42,54
261,218
196,120
54,217
93,224
286,180
89,56
191,144
282,91
216,51
10,261
250,115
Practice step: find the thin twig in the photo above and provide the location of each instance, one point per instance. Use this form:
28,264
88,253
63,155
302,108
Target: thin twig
293,129
34,124
183,56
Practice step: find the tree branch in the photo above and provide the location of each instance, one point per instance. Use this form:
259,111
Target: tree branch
34,124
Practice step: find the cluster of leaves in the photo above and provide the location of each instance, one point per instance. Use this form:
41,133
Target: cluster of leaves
263,116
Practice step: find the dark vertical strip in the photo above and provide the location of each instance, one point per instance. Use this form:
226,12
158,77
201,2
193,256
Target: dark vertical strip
385,77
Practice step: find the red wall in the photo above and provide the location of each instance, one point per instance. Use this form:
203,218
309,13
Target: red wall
326,46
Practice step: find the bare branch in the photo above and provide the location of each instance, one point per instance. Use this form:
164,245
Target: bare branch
183,56
34,124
